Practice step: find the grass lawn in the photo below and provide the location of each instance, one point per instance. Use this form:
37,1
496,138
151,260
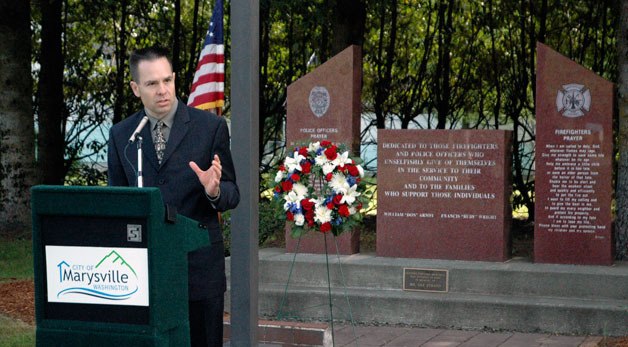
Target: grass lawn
15,333
16,259
16,263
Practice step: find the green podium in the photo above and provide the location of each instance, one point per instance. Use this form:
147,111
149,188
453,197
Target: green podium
110,267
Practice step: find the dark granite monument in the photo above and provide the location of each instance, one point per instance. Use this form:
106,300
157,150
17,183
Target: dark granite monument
574,148
325,105
444,194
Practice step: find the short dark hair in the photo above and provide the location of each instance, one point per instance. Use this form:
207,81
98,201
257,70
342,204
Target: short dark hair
149,54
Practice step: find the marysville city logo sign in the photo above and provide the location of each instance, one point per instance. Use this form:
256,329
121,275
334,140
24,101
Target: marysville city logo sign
97,275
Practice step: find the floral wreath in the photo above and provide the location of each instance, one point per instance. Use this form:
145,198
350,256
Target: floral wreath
320,188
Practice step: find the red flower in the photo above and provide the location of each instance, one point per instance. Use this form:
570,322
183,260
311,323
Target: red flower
278,189
282,168
331,152
307,205
343,210
289,216
337,199
353,170
295,177
310,222
325,143
342,168
329,176
286,186
359,207
306,167
325,227
303,151
330,205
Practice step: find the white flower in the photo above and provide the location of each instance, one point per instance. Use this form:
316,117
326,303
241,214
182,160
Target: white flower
321,159
313,147
299,219
298,193
293,163
360,170
342,159
318,202
322,214
299,189
328,167
339,183
350,195
279,176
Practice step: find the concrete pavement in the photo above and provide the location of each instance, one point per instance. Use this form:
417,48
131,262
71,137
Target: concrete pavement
387,336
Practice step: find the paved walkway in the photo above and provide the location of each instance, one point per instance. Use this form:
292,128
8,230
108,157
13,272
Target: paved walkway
370,336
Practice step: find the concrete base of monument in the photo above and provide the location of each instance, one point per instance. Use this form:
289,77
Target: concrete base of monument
516,295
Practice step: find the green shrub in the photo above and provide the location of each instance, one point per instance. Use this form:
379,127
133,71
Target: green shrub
271,226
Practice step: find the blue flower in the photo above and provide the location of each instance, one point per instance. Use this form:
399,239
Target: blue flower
351,180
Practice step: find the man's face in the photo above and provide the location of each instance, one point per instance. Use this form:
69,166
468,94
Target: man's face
155,86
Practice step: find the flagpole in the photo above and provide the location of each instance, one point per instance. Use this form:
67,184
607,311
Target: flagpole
244,97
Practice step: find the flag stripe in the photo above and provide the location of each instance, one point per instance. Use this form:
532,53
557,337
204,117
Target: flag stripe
209,97
211,69
208,87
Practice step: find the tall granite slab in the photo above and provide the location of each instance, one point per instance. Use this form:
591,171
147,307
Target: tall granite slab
574,148
444,194
325,105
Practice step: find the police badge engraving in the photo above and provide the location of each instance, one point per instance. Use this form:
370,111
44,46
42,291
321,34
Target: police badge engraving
319,101
572,100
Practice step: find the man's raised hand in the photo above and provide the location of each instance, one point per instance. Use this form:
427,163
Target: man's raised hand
210,178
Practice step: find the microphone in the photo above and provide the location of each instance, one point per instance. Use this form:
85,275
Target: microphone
138,129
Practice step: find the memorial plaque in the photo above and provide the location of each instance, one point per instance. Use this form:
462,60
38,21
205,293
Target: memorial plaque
425,280
325,105
574,148
444,194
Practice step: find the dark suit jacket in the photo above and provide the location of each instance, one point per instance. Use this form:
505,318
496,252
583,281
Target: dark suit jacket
195,136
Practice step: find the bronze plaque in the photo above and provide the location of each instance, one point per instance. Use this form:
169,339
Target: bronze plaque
426,280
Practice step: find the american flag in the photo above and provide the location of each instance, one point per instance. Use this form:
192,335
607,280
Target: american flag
208,87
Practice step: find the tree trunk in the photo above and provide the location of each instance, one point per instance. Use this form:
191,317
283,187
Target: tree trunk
443,87
386,60
621,224
120,65
17,152
51,139
176,45
348,24
194,43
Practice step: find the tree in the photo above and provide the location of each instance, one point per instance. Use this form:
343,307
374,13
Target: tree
52,112
17,155
348,24
621,224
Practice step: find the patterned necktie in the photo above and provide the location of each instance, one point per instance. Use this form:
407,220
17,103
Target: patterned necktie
160,141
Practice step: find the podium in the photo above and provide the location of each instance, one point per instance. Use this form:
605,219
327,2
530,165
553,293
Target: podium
110,267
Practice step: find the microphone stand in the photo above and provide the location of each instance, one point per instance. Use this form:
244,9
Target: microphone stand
140,178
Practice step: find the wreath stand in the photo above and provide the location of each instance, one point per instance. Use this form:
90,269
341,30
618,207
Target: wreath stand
281,314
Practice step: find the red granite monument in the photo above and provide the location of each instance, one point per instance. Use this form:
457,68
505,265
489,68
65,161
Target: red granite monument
325,105
574,149
444,194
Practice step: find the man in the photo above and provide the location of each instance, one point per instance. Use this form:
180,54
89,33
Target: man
193,168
